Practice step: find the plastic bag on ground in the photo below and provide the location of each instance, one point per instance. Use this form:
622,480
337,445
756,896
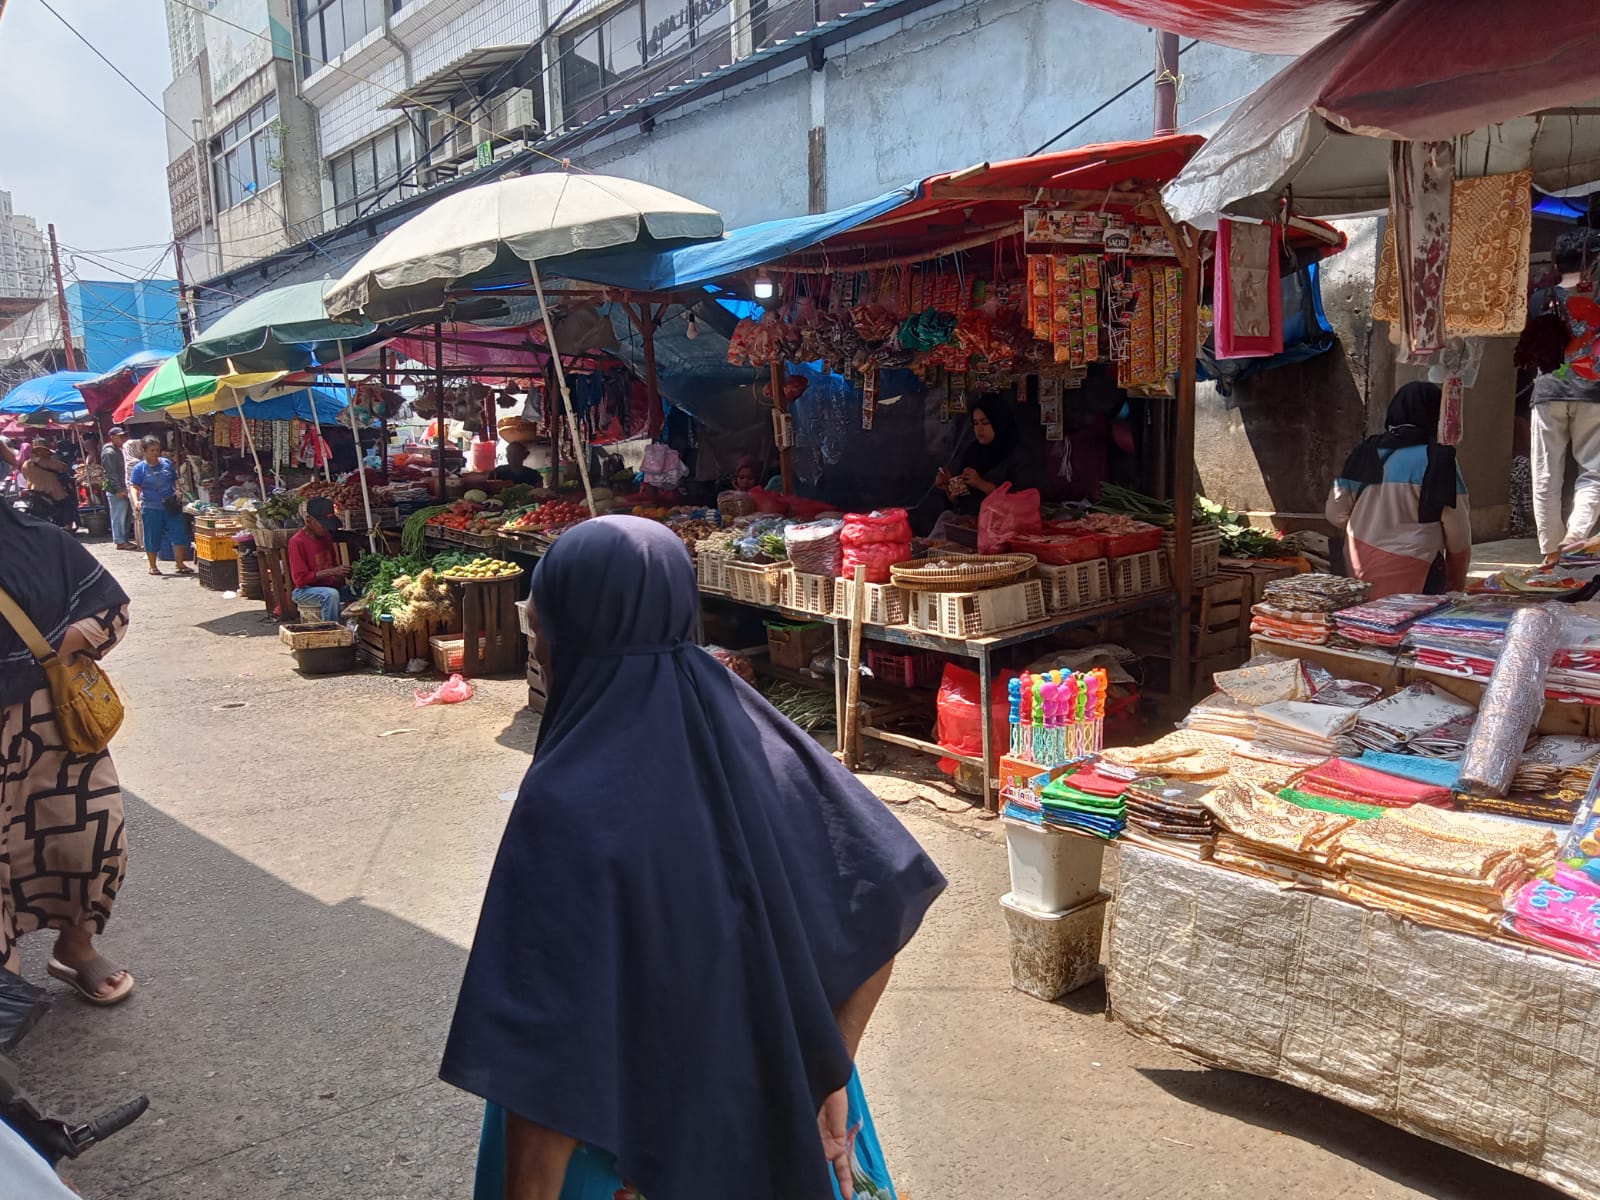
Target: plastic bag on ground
960,720
452,691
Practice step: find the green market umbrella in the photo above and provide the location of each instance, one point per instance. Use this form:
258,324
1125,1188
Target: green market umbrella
285,329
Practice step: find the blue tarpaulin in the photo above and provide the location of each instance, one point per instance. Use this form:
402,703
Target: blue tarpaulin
56,393
739,250
331,404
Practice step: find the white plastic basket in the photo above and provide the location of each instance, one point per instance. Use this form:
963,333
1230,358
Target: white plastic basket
1075,585
1205,553
1050,870
1135,574
885,603
810,593
711,568
972,614
756,583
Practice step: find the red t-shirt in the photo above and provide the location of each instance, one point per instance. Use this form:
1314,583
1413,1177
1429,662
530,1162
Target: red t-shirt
307,556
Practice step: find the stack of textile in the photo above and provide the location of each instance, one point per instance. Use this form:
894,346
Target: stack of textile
1342,808
1412,712
1559,913
1448,869
1170,816
1575,669
1381,624
1087,800
1271,768
1550,781
1221,714
1306,726
1315,593
1271,837
1447,741
1290,624
1347,779
1464,638
1184,754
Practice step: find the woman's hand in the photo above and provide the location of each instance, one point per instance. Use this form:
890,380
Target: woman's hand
839,1140
74,646
976,481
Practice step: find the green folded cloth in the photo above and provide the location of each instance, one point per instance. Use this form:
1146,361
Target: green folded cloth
1343,808
1058,795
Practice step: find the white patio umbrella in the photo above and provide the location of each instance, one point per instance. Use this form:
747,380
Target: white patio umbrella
496,234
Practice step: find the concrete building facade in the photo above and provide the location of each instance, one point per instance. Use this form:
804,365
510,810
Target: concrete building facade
24,254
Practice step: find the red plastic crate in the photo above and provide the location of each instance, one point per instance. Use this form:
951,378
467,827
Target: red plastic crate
916,669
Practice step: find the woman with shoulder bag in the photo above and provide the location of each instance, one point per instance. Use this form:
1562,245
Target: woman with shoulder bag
154,481
62,846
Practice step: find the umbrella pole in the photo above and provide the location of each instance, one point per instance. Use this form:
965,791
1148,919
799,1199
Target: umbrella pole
566,397
316,427
244,423
361,470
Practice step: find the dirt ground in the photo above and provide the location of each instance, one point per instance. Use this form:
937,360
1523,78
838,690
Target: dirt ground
307,861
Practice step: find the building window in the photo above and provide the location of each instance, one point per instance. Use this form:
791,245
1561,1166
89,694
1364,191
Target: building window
639,48
245,156
375,173
330,27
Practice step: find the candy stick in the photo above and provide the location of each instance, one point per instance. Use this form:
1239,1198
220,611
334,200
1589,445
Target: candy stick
1024,737
1014,693
1039,751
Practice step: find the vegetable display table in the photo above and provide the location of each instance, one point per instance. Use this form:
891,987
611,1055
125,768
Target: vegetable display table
489,607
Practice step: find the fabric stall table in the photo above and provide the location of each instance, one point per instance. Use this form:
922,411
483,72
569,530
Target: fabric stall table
1487,1046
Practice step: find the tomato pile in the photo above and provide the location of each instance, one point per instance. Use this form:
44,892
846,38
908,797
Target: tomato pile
551,512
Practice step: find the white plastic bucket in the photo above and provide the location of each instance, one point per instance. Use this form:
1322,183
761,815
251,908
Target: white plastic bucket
1055,953
1052,870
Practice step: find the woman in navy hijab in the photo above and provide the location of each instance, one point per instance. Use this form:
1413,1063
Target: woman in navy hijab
693,912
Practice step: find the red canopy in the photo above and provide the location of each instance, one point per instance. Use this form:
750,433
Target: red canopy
1265,26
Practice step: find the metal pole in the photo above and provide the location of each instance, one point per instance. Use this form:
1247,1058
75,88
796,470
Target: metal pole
361,470
61,304
578,448
647,331
438,367
1166,116
383,413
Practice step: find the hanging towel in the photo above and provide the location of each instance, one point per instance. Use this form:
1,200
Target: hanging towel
1249,292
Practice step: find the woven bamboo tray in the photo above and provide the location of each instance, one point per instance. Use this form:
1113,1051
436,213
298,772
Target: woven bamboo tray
963,572
315,635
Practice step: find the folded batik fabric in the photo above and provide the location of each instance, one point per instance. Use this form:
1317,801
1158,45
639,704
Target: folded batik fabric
1259,818
1342,808
1223,716
1315,593
1306,726
1413,711
1183,754
1437,772
1343,779
1262,683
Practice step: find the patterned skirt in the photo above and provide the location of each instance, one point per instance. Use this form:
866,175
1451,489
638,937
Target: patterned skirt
62,846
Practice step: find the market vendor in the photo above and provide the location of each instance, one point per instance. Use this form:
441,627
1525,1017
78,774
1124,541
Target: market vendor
314,567
515,468
1402,503
992,457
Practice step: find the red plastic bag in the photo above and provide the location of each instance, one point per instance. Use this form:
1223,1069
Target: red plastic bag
887,525
960,720
1004,513
876,557
452,691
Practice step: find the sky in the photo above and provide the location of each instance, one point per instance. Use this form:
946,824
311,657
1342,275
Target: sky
77,144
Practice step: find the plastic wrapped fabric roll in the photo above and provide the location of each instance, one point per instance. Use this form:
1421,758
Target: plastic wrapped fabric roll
1511,703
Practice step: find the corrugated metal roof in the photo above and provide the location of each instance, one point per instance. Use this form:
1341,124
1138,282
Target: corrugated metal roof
450,81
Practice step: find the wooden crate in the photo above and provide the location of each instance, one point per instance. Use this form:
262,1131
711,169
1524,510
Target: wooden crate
315,635
1255,576
382,645
488,607
1216,615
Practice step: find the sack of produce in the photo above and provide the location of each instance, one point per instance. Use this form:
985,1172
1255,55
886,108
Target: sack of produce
885,525
815,548
876,557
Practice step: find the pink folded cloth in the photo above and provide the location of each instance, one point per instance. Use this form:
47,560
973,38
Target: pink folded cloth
1340,780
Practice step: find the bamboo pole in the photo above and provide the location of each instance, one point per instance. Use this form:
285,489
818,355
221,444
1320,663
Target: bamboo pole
850,735
578,448
361,470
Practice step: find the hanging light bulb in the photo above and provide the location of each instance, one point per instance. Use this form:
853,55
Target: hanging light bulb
765,289
692,331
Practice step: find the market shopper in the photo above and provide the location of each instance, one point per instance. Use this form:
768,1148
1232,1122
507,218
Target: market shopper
154,481
691,1025
1565,408
62,850
115,467
50,477
314,567
1402,503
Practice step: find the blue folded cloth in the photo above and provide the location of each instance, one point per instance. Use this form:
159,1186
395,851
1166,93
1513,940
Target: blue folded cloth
1438,772
1106,827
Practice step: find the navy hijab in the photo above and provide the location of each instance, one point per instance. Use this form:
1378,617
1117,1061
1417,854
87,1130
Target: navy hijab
687,888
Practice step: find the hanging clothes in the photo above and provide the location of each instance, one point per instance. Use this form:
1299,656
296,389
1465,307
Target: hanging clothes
1248,291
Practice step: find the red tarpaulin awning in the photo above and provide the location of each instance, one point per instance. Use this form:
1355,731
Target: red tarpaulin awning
1419,70
1265,26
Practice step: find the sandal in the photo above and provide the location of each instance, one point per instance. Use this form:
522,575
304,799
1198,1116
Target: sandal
183,571
87,979
155,570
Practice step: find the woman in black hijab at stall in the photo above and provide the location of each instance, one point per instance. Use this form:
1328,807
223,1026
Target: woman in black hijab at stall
693,912
1402,502
993,457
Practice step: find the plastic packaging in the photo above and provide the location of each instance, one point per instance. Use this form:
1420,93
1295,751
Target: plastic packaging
960,721
1511,702
815,548
452,691
1003,515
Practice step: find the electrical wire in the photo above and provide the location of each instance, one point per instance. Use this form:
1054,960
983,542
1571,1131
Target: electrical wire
1100,108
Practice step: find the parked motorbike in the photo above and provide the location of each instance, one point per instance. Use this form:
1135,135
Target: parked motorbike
21,1006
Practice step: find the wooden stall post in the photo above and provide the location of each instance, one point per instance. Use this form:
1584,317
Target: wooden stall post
780,404
850,733
646,321
1187,247
438,369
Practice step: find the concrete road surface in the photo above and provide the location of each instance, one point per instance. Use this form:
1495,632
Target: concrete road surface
307,860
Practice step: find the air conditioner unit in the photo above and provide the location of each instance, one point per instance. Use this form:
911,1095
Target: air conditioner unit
515,111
